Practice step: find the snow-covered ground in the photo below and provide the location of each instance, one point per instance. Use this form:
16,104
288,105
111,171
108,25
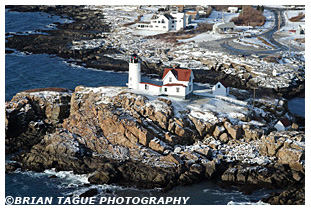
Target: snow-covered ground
218,17
288,35
204,37
292,25
189,54
206,107
255,42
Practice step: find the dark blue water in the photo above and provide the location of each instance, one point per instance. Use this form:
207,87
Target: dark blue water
297,106
30,22
39,71
30,184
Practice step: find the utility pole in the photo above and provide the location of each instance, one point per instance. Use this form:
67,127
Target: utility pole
254,96
279,21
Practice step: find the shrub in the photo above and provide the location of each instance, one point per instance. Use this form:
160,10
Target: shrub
203,27
250,16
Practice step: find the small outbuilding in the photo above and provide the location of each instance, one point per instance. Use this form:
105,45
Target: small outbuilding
221,88
223,27
301,29
282,124
233,9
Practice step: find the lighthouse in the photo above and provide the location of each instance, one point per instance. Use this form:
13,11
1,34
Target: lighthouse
134,72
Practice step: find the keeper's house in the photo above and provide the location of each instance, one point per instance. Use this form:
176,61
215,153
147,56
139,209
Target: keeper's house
176,82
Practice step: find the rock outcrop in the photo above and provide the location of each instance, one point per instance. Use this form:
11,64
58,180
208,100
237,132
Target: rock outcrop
118,136
287,147
287,197
30,114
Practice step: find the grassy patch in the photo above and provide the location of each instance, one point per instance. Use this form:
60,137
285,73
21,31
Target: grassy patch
266,42
297,18
173,37
300,40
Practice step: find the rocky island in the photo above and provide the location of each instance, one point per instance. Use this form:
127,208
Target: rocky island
114,135
118,136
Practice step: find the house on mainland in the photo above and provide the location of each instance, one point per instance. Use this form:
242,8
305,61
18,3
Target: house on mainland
223,27
193,14
301,29
176,82
220,89
282,124
233,9
164,22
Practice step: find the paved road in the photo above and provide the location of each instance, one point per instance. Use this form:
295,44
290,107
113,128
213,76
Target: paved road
227,45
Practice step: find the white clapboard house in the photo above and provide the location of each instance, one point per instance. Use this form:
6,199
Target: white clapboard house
220,89
176,82
164,22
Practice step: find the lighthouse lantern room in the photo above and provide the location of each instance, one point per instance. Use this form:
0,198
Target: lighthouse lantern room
134,72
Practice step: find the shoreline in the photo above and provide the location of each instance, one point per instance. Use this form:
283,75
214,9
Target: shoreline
184,150
182,139
95,58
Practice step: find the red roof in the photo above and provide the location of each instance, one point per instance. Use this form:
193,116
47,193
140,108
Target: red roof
223,83
150,84
174,84
180,74
285,122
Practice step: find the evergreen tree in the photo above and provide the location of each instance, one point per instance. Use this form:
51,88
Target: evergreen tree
258,7
262,8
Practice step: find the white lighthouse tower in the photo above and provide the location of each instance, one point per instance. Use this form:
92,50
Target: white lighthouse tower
134,72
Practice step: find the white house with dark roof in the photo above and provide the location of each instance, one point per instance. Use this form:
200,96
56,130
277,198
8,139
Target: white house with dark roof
176,82
220,89
164,22
282,124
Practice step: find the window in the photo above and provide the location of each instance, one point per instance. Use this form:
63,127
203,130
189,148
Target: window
146,87
130,78
218,86
165,89
159,21
163,21
177,90
170,79
164,26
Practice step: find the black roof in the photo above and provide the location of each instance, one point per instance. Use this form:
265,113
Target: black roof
168,16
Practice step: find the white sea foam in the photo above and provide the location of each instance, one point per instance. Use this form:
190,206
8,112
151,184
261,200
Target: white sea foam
247,203
74,179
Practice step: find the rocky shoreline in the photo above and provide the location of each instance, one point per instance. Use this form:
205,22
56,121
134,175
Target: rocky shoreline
117,136
90,25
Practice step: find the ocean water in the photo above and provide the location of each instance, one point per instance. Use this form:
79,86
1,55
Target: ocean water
297,106
30,184
38,71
